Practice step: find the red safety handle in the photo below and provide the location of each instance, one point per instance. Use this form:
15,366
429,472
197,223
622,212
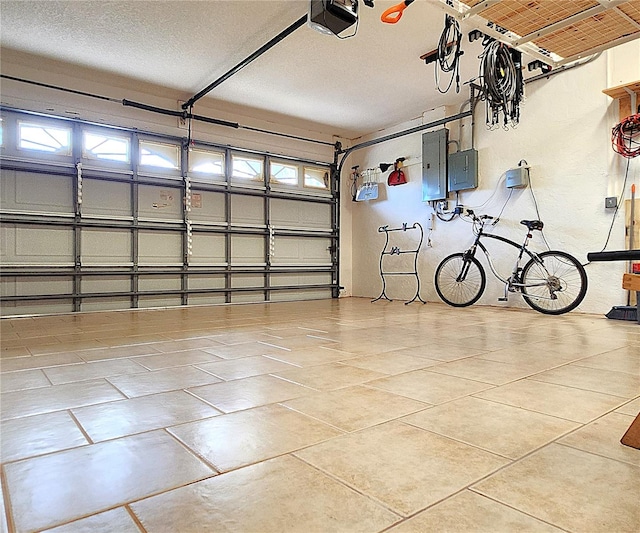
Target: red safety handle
394,13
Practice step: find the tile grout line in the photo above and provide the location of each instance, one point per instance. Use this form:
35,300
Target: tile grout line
583,389
8,510
200,457
350,487
135,518
80,427
483,495
596,454
540,412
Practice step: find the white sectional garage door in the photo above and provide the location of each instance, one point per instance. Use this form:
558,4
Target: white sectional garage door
102,218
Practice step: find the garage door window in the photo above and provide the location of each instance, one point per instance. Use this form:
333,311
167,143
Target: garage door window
284,174
160,155
105,147
204,164
246,168
44,138
316,178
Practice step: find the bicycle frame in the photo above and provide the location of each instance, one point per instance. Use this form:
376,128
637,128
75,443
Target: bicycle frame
512,281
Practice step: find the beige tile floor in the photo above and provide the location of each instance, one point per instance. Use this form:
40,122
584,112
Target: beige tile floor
324,416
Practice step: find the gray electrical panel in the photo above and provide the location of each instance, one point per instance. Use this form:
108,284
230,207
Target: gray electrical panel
463,170
434,165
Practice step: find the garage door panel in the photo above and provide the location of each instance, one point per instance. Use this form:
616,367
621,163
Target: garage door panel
252,281
313,278
300,294
94,284
247,210
207,299
208,249
106,247
31,286
37,193
207,206
35,307
247,249
106,198
206,281
106,303
159,203
159,301
300,214
247,297
36,245
159,283
159,248
301,251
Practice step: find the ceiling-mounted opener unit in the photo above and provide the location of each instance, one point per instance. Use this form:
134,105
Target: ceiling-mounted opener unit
332,17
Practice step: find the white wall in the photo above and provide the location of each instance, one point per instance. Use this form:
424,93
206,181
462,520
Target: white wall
564,135
623,64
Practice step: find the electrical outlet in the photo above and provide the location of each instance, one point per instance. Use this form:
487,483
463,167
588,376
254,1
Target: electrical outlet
610,202
443,205
429,221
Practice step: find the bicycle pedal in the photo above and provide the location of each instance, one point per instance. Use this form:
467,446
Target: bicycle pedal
503,299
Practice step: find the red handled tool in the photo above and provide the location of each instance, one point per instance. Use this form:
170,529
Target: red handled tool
394,13
397,177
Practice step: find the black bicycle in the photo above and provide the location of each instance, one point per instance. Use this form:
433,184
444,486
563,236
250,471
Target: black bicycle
551,282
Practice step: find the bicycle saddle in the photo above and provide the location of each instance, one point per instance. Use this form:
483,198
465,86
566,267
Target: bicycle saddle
533,224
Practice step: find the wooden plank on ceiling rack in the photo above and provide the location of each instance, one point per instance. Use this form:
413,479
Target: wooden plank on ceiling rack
559,25
598,49
479,7
631,10
526,17
588,34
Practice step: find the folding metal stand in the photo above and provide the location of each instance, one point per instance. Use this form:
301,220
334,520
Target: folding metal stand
394,250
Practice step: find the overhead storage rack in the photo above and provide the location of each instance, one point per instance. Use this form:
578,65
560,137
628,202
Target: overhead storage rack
556,32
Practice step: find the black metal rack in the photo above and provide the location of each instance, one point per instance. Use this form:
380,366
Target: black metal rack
394,250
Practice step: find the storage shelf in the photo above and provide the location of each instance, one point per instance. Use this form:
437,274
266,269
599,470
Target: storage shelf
627,94
621,90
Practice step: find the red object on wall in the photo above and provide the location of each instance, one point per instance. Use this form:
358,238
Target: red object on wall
397,176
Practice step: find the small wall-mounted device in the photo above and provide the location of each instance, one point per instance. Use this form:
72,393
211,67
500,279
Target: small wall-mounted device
332,17
518,177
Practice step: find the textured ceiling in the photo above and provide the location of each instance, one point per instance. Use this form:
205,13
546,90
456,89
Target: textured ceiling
348,87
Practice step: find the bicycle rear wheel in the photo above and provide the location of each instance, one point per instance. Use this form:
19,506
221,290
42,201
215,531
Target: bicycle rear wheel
555,286
460,282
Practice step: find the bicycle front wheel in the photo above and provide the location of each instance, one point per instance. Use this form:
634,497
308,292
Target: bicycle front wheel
554,285
460,281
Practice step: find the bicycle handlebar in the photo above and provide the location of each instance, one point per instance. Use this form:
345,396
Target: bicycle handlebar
478,218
